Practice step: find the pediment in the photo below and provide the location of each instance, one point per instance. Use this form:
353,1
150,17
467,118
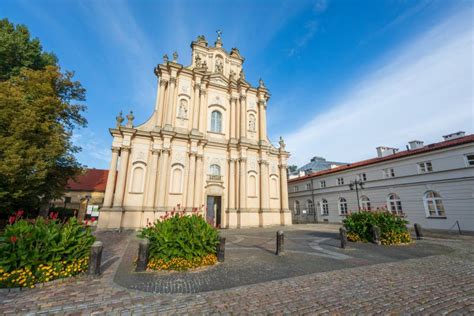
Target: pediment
219,79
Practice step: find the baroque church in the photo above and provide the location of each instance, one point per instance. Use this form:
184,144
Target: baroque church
204,147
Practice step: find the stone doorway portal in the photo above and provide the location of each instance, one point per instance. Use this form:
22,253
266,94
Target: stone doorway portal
213,210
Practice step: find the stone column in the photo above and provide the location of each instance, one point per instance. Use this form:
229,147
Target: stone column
283,188
243,117
196,105
203,111
262,114
151,185
163,179
233,105
243,183
232,184
122,177
159,108
237,118
198,182
264,199
169,110
109,190
191,181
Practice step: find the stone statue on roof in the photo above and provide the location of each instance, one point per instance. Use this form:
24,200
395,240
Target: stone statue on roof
119,119
175,57
165,58
282,144
130,119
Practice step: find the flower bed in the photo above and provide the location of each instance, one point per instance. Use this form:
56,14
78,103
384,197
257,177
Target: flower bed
41,250
393,228
181,241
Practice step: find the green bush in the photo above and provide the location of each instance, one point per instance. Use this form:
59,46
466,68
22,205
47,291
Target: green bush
28,246
393,228
178,235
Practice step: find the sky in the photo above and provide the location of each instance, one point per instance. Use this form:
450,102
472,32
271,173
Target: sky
345,76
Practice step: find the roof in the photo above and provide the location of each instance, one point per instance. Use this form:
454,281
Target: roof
91,180
318,164
406,153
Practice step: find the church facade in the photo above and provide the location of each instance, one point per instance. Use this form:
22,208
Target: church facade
204,147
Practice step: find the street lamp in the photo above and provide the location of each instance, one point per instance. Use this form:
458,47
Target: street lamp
356,184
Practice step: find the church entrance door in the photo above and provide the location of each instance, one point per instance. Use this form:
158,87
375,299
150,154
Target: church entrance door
213,213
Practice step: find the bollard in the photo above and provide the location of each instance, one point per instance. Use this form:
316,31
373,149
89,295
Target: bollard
280,243
143,251
95,258
221,249
343,237
418,232
376,234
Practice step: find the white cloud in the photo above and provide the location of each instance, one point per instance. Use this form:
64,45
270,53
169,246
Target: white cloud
95,153
424,92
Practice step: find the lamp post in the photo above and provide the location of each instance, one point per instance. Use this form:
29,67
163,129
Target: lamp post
355,185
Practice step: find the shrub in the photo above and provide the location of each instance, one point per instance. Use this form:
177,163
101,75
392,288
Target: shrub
393,228
179,241
40,250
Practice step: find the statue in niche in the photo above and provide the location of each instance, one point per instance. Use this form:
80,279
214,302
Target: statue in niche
242,75
198,61
232,75
204,66
219,66
183,109
252,124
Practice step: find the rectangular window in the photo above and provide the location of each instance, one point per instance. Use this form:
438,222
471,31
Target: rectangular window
295,188
425,167
322,184
362,176
340,181
388,173
308,186
470,160
67,199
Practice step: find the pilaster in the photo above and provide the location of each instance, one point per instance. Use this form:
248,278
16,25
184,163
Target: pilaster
109,190
122,177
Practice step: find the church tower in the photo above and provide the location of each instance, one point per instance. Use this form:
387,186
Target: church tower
205,147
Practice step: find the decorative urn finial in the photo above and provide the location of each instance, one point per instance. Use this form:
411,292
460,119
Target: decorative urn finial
175,57
165,58
218,42
119,119
282,144
130,118
261,84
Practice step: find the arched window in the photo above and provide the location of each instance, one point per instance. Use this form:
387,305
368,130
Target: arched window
252,123
310,206
274,187
394,204
176,185
297,207
252,188
365,203
342,206
434,204
216,122
215,170
324,207
138,174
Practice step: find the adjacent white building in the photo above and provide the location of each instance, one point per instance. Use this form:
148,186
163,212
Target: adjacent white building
432,185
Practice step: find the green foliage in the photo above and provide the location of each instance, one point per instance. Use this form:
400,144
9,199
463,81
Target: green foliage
392,227
37,116
31,243
180,236
18,51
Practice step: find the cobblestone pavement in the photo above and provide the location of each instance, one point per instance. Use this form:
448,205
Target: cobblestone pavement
433,284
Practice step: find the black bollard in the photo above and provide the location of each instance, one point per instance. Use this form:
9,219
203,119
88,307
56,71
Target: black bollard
280,243
95,258
143,251
221,249
418,231
343,236
376,234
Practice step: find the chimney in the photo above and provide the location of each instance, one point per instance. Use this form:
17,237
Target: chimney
454,135
383,151
415,144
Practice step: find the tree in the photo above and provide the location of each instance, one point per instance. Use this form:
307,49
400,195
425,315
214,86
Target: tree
39,108
292,168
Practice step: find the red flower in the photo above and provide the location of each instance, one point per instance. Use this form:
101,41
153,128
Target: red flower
11,220
53,215
13,239
93,219
19,213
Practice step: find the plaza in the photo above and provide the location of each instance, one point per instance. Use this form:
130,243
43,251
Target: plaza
434,275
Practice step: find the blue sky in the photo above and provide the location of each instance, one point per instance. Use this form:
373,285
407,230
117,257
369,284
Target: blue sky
345,75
